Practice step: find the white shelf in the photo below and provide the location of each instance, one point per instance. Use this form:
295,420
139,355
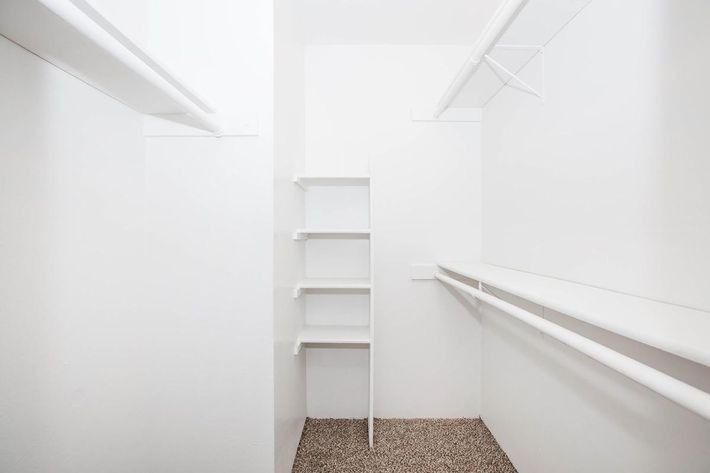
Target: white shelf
306,233
332,335
311,181
678,330
516,34
332,284
76,38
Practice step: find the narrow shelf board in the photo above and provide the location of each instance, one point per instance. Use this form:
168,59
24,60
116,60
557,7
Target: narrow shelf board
305,233
311,181
76,38
332,284
674,329
332,335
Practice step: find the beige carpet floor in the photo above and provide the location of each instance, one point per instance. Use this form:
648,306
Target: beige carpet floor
401,446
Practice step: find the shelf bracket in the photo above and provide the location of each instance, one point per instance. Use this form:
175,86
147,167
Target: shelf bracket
298,236
297,348
297,181
297,292
511,76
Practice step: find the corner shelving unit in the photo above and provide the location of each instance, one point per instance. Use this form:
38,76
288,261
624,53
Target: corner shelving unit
517,33
76,38
341,335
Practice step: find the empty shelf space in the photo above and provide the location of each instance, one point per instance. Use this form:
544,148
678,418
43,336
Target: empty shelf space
348,284
306,233
675,329
312,181
332,335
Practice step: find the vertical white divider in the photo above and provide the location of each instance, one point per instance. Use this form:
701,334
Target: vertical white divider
370,418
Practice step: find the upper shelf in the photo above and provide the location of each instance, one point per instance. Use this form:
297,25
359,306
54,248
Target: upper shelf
311,181
512,38
668,327
76,38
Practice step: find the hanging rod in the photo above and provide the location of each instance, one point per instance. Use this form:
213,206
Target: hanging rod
683,394
503,17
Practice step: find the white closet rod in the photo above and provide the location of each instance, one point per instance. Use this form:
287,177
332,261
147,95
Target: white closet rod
78,19
685,395
504,15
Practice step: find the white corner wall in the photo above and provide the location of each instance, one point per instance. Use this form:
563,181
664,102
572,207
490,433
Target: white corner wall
289,210
426,208
603,183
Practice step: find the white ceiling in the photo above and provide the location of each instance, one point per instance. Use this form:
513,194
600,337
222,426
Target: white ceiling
395,21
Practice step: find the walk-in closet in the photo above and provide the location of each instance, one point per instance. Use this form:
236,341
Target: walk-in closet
354,236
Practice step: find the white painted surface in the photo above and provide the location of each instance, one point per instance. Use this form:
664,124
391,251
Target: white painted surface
289,213
358,103
73,339
604,183
671,328
414,22
211,315
209,256
601,184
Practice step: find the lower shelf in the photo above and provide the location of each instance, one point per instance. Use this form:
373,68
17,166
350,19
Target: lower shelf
332,335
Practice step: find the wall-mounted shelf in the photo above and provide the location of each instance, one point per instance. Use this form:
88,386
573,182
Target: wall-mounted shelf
306,233
668,327
332,284
311,181
517,33
332,335
76,38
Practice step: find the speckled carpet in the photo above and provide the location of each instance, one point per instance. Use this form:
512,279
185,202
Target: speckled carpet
401,446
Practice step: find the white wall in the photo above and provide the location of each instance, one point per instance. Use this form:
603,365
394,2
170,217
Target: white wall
289,147
72,326
210,208
358,101
602,183
138,329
